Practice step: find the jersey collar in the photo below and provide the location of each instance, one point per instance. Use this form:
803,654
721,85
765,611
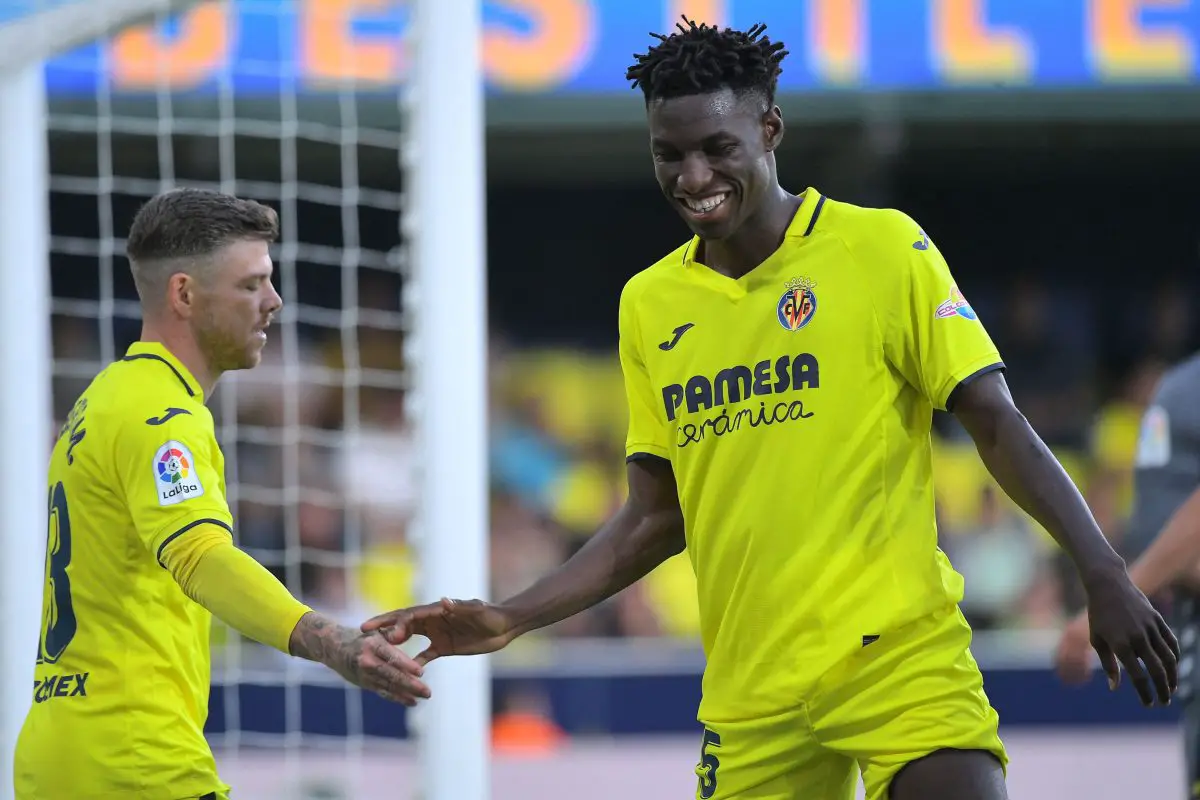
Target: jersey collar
803,223
156,351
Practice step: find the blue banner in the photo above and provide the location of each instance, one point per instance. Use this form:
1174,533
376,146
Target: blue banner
584,46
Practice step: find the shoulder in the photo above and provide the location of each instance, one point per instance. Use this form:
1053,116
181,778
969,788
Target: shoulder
145,409
888,249
654,281
867,229
665,270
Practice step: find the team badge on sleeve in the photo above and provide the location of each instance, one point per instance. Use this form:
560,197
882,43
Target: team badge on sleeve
797,305
175,474
1154,439
956,306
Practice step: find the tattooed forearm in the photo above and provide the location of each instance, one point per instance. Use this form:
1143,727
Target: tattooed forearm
320,639
364,660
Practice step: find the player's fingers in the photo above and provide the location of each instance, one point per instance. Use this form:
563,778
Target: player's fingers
1161,648
396,635
391,619
1137,674
398,659
387,678
404,700
1159,674
405,618
427,655
1108,660
1170,638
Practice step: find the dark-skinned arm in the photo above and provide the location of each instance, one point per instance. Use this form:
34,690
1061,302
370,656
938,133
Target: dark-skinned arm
645,532
1124,627
1029,473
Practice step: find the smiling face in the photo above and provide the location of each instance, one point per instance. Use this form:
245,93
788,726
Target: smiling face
714,157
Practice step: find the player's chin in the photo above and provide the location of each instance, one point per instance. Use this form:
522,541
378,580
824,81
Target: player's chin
252,355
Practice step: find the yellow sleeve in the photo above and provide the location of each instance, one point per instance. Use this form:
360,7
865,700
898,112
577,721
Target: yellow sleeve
931,334
171,476
233,586
647,433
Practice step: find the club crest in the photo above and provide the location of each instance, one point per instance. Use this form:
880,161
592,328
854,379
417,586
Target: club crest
798,304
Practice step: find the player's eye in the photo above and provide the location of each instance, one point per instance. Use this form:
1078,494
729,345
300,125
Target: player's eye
665,155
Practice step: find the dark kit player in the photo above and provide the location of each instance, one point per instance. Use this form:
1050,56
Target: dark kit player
1165,530
782,369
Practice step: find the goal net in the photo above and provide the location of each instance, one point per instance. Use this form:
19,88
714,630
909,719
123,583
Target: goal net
278,102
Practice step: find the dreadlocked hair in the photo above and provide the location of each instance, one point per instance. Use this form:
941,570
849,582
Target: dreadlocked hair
698,59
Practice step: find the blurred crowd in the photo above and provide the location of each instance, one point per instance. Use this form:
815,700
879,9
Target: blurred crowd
325,479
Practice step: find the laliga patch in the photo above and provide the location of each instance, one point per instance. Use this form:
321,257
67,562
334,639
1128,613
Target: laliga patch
175,474
956,306
1154,439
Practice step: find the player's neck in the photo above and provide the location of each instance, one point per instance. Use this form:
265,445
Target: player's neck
755,240
184,347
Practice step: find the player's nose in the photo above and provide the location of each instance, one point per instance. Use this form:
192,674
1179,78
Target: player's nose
274,301
694,174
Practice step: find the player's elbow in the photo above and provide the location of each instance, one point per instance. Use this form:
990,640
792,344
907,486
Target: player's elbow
667,529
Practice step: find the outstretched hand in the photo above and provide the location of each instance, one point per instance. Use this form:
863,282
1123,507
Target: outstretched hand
453,627
364,659
1126,630
372,663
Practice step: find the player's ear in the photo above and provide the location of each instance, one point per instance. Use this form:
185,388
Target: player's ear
181,294
772,128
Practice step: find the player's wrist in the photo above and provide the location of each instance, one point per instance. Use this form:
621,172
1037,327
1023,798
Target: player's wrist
1101,572
518,620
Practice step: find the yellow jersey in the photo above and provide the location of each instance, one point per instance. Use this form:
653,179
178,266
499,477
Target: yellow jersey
120,694
795,405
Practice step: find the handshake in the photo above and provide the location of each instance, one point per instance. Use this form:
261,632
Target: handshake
371,660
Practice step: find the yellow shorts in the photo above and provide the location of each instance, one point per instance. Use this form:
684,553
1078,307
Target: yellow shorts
911,692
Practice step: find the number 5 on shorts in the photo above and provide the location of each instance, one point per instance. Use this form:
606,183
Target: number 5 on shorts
707,769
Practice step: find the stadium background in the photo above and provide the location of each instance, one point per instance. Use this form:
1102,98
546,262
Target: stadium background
1048,147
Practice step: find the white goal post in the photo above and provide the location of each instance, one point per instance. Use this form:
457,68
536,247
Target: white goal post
53,26
440,147
24,394
444,156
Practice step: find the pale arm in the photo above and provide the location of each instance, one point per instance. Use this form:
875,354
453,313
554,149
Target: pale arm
243,594
1175,553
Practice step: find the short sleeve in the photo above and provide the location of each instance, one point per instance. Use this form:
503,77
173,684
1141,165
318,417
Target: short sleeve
171,476
932,335
647,431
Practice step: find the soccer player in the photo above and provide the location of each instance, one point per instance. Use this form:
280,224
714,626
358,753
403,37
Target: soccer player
1165,530
782,368
140,553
